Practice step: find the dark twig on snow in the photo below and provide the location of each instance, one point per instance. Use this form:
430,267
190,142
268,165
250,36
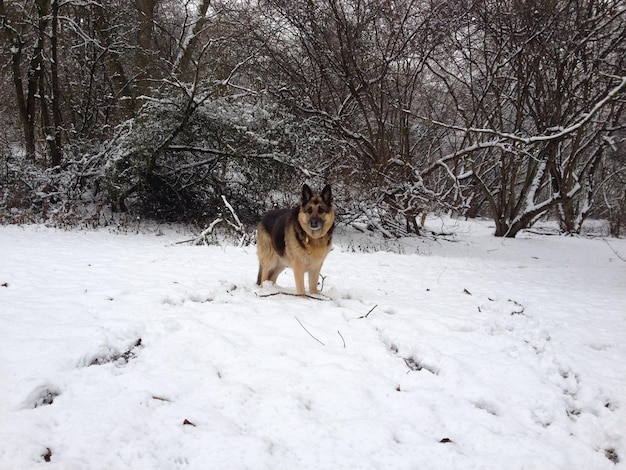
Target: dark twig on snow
323,278
191,240
293,295
519,311
303,327
613,250
367,314
341,336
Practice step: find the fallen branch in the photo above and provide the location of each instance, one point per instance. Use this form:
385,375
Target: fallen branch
309,296
234,224
237,226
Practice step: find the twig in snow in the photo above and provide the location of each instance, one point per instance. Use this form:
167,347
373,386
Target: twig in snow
323,279
293,295
613,250
517,312
344,341
367,314
185,241
309,332
268,295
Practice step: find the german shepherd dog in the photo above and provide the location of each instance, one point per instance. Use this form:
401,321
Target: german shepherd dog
299,238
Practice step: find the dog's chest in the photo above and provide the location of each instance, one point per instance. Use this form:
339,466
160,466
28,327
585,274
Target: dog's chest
312,252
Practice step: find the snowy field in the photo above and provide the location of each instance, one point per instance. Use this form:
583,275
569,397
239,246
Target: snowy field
130,351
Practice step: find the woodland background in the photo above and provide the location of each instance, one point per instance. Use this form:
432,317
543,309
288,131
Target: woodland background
205,110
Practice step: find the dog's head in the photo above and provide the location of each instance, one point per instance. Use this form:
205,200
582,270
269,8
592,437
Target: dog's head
316,215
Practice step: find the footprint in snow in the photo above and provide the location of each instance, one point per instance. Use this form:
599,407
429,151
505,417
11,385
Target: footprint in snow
43,395
115,357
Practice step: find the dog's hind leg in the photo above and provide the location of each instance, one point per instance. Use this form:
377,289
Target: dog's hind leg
275,272
269,273
259,277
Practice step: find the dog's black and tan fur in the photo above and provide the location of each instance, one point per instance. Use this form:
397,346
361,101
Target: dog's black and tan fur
299,238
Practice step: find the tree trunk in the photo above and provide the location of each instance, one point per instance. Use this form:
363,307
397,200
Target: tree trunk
25,114
36,83
144,41
56,152
36,65
188,45
125,93
26,118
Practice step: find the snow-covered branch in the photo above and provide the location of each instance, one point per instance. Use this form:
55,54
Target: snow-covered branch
562,132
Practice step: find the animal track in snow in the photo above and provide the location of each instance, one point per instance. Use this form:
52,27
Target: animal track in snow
117,358
412,362
42,396
509,307
415,364
484,405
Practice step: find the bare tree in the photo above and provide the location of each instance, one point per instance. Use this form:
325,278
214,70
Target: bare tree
357,67
536,90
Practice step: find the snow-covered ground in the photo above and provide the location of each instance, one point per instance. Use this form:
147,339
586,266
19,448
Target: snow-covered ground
134,352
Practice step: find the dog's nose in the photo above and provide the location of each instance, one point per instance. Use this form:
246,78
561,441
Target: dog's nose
315,223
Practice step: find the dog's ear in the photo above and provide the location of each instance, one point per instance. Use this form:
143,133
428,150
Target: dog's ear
327,195
307,194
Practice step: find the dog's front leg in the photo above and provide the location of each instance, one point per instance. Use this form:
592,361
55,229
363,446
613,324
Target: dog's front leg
298,274
314,276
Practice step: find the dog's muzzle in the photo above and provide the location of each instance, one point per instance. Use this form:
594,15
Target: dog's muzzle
316,223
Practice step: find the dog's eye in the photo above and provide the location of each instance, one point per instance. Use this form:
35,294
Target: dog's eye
309,210
321,210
